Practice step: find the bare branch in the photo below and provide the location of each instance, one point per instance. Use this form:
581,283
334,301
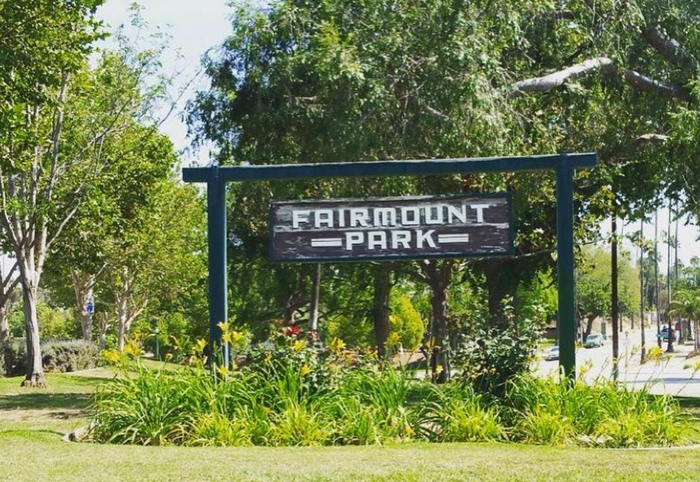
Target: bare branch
433,111
561,77
607,68
669,48
647,84
646,140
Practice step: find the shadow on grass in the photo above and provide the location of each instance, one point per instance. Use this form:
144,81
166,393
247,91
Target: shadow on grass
43,401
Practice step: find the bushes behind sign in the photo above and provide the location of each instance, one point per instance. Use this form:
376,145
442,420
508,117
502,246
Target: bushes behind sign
58,357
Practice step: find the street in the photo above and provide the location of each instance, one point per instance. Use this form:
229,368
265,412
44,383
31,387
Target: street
665,373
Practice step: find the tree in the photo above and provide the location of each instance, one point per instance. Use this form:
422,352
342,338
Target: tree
594,286
56,137
45,46
157,261
136,164
686,304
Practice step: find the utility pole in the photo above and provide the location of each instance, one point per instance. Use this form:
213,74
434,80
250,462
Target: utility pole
681,331
669,318
615,301
641,288
656,276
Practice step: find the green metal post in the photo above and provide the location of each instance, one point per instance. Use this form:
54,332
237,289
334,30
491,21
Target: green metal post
565,267
216,230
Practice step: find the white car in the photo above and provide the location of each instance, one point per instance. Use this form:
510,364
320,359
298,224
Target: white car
552,354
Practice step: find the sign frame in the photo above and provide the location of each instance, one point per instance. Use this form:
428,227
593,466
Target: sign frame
397,257
563,164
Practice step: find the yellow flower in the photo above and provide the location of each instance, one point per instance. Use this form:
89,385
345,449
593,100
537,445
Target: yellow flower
222,370
337,344
168,357
299,345
438,369
305,370
226,337
236,336
268,356
223,327
112,356
200,345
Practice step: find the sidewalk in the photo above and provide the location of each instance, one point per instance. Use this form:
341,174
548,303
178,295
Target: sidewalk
666,375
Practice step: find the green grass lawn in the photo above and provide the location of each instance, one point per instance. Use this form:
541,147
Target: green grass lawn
33,421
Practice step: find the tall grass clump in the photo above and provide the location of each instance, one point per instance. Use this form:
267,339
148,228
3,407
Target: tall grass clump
454,413
148,408
301,396
558,411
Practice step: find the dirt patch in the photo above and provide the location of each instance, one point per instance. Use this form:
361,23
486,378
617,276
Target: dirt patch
21,415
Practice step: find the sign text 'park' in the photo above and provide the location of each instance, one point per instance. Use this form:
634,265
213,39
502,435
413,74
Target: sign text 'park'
391,228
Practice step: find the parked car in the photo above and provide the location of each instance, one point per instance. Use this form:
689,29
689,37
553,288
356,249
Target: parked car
664,334
594,340
552,354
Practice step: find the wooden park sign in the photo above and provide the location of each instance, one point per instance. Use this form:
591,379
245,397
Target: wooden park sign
391,228
394,228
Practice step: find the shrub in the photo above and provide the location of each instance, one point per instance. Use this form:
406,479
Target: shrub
544,428
495,355
150,408
457,414
555,411
301,396
57,356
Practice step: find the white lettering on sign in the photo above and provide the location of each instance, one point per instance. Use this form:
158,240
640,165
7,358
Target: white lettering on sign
433,215
299,217
353,239
323,217
428,226
426,237
459,214
479,208
384,217
400,239
410,216
376,239
359,217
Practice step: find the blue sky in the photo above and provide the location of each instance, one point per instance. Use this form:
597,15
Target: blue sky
198,25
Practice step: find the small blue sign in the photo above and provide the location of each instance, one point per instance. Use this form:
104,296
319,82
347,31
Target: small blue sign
90,307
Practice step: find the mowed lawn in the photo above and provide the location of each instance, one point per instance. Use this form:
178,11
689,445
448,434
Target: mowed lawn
33,421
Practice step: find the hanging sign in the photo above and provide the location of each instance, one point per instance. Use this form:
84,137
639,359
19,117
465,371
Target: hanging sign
391,228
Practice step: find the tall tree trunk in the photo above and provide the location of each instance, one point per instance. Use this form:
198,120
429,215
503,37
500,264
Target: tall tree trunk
83,287
4,331
615,300
589,326
439,275
122,320
315,299
103,323
380,311
4,323
35,369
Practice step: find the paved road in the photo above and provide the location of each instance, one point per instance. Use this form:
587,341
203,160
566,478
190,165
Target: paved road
668,374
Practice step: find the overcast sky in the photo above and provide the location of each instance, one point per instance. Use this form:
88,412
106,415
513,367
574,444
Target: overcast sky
198,25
